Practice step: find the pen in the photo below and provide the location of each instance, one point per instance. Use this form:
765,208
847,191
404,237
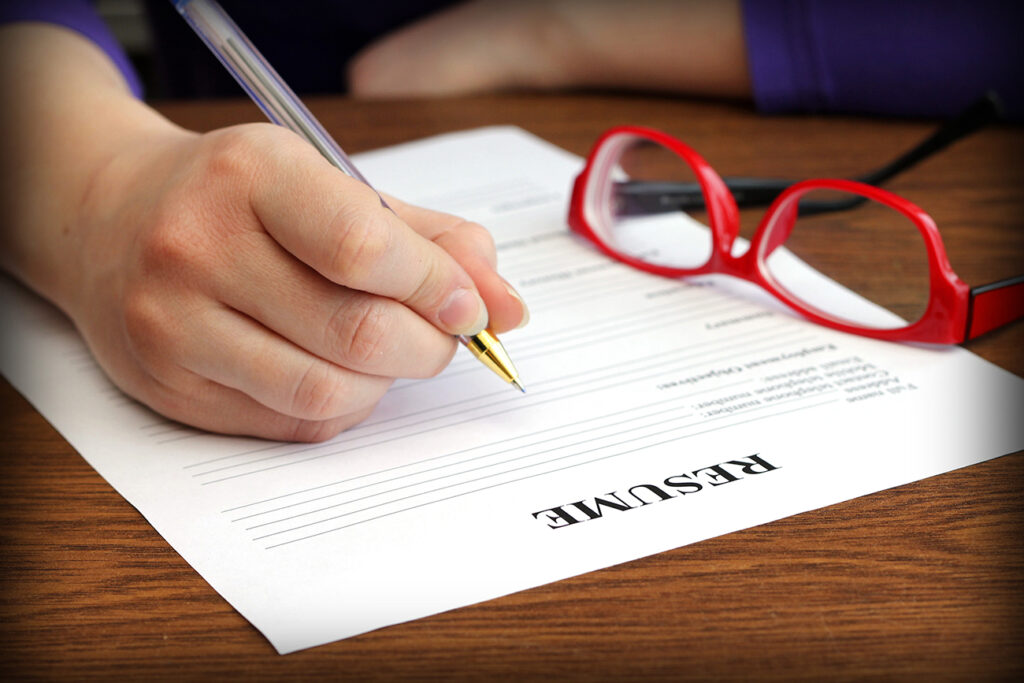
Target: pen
271,94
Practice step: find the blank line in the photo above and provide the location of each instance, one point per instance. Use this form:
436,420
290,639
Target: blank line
510,460
463,462
482,399
603,373
461,483
474,448
686,352
404,436
567,257
446,455
262,449
190,434
531,404
611,283
484,488
664,314
632,330
566,271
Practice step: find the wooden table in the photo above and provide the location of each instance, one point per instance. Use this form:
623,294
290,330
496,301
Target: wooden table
927,578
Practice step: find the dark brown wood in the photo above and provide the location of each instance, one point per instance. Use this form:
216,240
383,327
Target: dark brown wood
922,581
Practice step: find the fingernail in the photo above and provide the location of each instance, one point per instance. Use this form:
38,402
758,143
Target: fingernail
464,312
526,311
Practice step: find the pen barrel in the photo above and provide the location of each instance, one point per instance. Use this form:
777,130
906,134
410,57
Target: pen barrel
243,61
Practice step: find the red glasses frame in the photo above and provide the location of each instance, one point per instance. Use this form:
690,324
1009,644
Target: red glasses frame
955,312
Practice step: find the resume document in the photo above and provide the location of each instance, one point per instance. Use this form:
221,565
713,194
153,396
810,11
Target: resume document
658,413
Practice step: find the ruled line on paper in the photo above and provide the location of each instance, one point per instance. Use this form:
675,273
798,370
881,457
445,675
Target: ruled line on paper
505,483
462,417
675,416
462,413
569,425
359,431
588,433
657,360
608,332
554,254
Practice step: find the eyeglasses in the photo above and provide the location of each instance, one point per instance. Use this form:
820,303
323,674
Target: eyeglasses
650,201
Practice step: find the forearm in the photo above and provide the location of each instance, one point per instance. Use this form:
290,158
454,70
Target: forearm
694,47
68,113
684,46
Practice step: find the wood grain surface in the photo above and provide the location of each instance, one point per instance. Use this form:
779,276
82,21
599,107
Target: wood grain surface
923,582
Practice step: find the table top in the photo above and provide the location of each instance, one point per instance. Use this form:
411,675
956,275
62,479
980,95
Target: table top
926,578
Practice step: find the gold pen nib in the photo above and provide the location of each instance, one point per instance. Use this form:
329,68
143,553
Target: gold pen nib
486,347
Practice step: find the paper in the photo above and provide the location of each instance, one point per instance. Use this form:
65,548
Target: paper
658,413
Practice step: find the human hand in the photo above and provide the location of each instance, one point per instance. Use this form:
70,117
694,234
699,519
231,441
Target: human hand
237,282
683,46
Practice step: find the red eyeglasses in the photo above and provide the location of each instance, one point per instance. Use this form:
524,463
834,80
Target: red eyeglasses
650,201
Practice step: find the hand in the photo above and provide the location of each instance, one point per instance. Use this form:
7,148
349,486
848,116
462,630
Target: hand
237,282
682,46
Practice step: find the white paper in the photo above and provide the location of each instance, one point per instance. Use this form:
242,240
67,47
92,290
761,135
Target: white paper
459,489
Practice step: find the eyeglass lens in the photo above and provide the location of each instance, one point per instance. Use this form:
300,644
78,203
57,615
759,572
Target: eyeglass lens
872,250
641,217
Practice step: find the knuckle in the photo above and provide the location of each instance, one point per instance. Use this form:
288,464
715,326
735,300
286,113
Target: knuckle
322,430
240,151
168,248
145,325
360,242
360,332
478,235
174,405
320,394
232,152
433,285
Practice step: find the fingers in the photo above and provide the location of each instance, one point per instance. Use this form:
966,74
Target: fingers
473,248
345,234
362,332
214,368
213,407
238,353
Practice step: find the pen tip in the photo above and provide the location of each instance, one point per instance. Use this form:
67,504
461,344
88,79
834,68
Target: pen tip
518,385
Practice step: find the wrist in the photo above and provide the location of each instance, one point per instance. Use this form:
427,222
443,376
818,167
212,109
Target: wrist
122,172
71,115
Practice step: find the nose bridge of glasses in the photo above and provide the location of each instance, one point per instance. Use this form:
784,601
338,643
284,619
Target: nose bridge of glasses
778,222
721,206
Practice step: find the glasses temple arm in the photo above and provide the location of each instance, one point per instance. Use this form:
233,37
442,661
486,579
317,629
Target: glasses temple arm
661,197
643,197
994,305
985,110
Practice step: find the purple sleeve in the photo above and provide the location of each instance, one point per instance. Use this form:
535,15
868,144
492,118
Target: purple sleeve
79,16
909,57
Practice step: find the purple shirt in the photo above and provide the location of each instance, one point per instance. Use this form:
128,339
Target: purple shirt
77,15
889,57
904,57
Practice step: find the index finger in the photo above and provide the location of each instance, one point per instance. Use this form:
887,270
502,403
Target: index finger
339,227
